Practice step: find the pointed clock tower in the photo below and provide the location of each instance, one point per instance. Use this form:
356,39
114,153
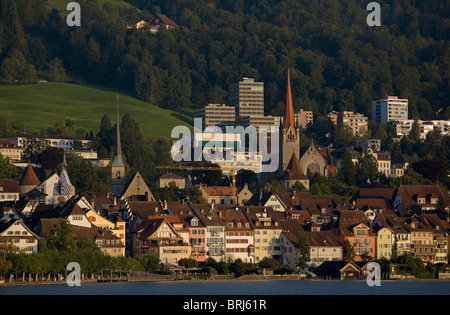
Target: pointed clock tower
289,133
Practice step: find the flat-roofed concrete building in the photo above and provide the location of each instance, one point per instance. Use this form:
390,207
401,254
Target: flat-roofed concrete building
304,119
358,122
216,115
390,108
247,96
267,123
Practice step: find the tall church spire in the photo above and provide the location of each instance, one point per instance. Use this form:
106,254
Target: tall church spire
118,145
117,166
289,119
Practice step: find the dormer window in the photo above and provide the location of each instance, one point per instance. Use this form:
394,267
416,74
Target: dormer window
360,232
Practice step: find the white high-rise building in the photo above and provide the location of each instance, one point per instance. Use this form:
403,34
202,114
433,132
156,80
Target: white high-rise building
390,108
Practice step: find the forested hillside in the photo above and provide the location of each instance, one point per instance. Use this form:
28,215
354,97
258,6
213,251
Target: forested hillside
336,60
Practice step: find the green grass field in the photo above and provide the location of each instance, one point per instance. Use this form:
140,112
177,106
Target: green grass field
37,106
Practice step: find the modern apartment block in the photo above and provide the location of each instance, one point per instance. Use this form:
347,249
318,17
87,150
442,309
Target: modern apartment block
357,122
267,123
216,115
390,108
304,118
403,127
248,97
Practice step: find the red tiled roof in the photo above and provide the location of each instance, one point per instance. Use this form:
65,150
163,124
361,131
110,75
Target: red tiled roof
293,170
409,194
9,185
220,190
29,178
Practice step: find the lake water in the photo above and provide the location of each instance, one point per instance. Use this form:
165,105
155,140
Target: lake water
238,288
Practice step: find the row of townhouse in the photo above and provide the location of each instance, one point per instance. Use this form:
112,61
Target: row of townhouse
24,229
272,228
379,223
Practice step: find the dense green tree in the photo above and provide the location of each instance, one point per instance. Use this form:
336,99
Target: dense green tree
349,251
347,173
7,169
6,128
60,237
303,250
343,136
367,169
56,70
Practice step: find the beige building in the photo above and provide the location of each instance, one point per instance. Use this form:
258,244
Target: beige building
98,220
9,149
137,188
268,124
324,246
216,115
17,233
157,236
166,179
223,195
267,231
9,190
248,97
422,240
357,122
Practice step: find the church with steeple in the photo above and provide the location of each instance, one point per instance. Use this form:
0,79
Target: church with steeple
289,132
290,146
117,166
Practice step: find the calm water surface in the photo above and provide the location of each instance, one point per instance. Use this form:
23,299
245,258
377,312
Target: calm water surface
282,287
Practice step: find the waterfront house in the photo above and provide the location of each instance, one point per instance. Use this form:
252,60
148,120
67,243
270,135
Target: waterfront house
385,243
239,235
106,241
267,231
290,235
441,233
197,230
158,237
422,239
15,232
324,245
400,235
215,230
341,270
356,228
